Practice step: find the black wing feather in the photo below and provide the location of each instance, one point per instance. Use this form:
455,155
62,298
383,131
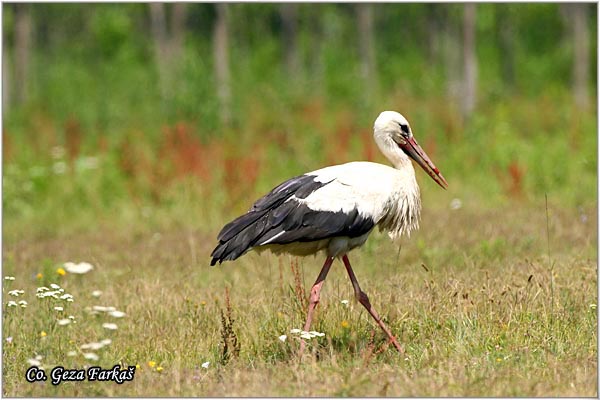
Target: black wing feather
277,219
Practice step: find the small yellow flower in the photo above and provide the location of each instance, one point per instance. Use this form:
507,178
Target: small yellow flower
159,369
39,275
498,359
137,366
43,334
345,324
202,303
61,271
151,364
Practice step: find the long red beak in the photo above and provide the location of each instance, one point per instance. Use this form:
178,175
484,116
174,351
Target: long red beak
414,151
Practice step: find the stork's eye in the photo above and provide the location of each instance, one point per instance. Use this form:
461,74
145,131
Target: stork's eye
404,128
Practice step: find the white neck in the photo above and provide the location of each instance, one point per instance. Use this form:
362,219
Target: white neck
391,151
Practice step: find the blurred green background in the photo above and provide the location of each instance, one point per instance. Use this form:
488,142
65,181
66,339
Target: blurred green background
179,115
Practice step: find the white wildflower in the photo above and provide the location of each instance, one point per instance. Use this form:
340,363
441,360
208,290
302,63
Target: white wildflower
16,292
9,278
110,326
295,330
59,308
106,342
42,289
116,314
91,356
81,268
72,353
50,293
54,286
97,293
9,339
59,167
11,303
33,362
455,204
66,296
103,308
310,335
64,321
205,364
345,302
282,338
23,303
92,346
57,152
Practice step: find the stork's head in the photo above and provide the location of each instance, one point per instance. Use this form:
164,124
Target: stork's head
391,127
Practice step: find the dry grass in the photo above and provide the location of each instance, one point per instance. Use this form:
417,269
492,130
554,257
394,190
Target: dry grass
471,297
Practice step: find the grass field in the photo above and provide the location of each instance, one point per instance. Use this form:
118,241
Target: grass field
481,302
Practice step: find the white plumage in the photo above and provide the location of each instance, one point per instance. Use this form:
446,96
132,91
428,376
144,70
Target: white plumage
334,209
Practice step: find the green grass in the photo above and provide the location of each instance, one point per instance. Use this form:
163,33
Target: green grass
470,296
483,304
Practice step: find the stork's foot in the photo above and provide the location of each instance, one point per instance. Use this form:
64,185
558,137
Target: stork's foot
364,300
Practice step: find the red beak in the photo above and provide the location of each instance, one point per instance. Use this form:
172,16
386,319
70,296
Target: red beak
414,151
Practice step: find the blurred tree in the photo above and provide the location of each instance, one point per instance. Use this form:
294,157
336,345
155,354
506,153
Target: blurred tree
366,46
469,61
315,32
6,64
23,33
168,43
221,55
581,59
450,51
434,18
289,20
505,31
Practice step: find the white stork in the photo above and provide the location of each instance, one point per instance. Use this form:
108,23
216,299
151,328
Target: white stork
334,209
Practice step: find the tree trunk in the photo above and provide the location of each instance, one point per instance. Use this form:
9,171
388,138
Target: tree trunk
159,35
581,59
434,19
316,64
450,52
221,55
178,29
506,33
469,61
22,51
366,48
6,79
168,43
289,19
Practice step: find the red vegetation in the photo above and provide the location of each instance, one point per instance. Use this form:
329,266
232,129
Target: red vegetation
516,173
73,137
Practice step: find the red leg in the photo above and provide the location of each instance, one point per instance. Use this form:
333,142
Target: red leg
364,300
315,294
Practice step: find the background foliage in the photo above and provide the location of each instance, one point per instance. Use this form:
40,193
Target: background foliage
93,90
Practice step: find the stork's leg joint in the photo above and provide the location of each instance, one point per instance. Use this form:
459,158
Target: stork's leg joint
364,300
315,294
